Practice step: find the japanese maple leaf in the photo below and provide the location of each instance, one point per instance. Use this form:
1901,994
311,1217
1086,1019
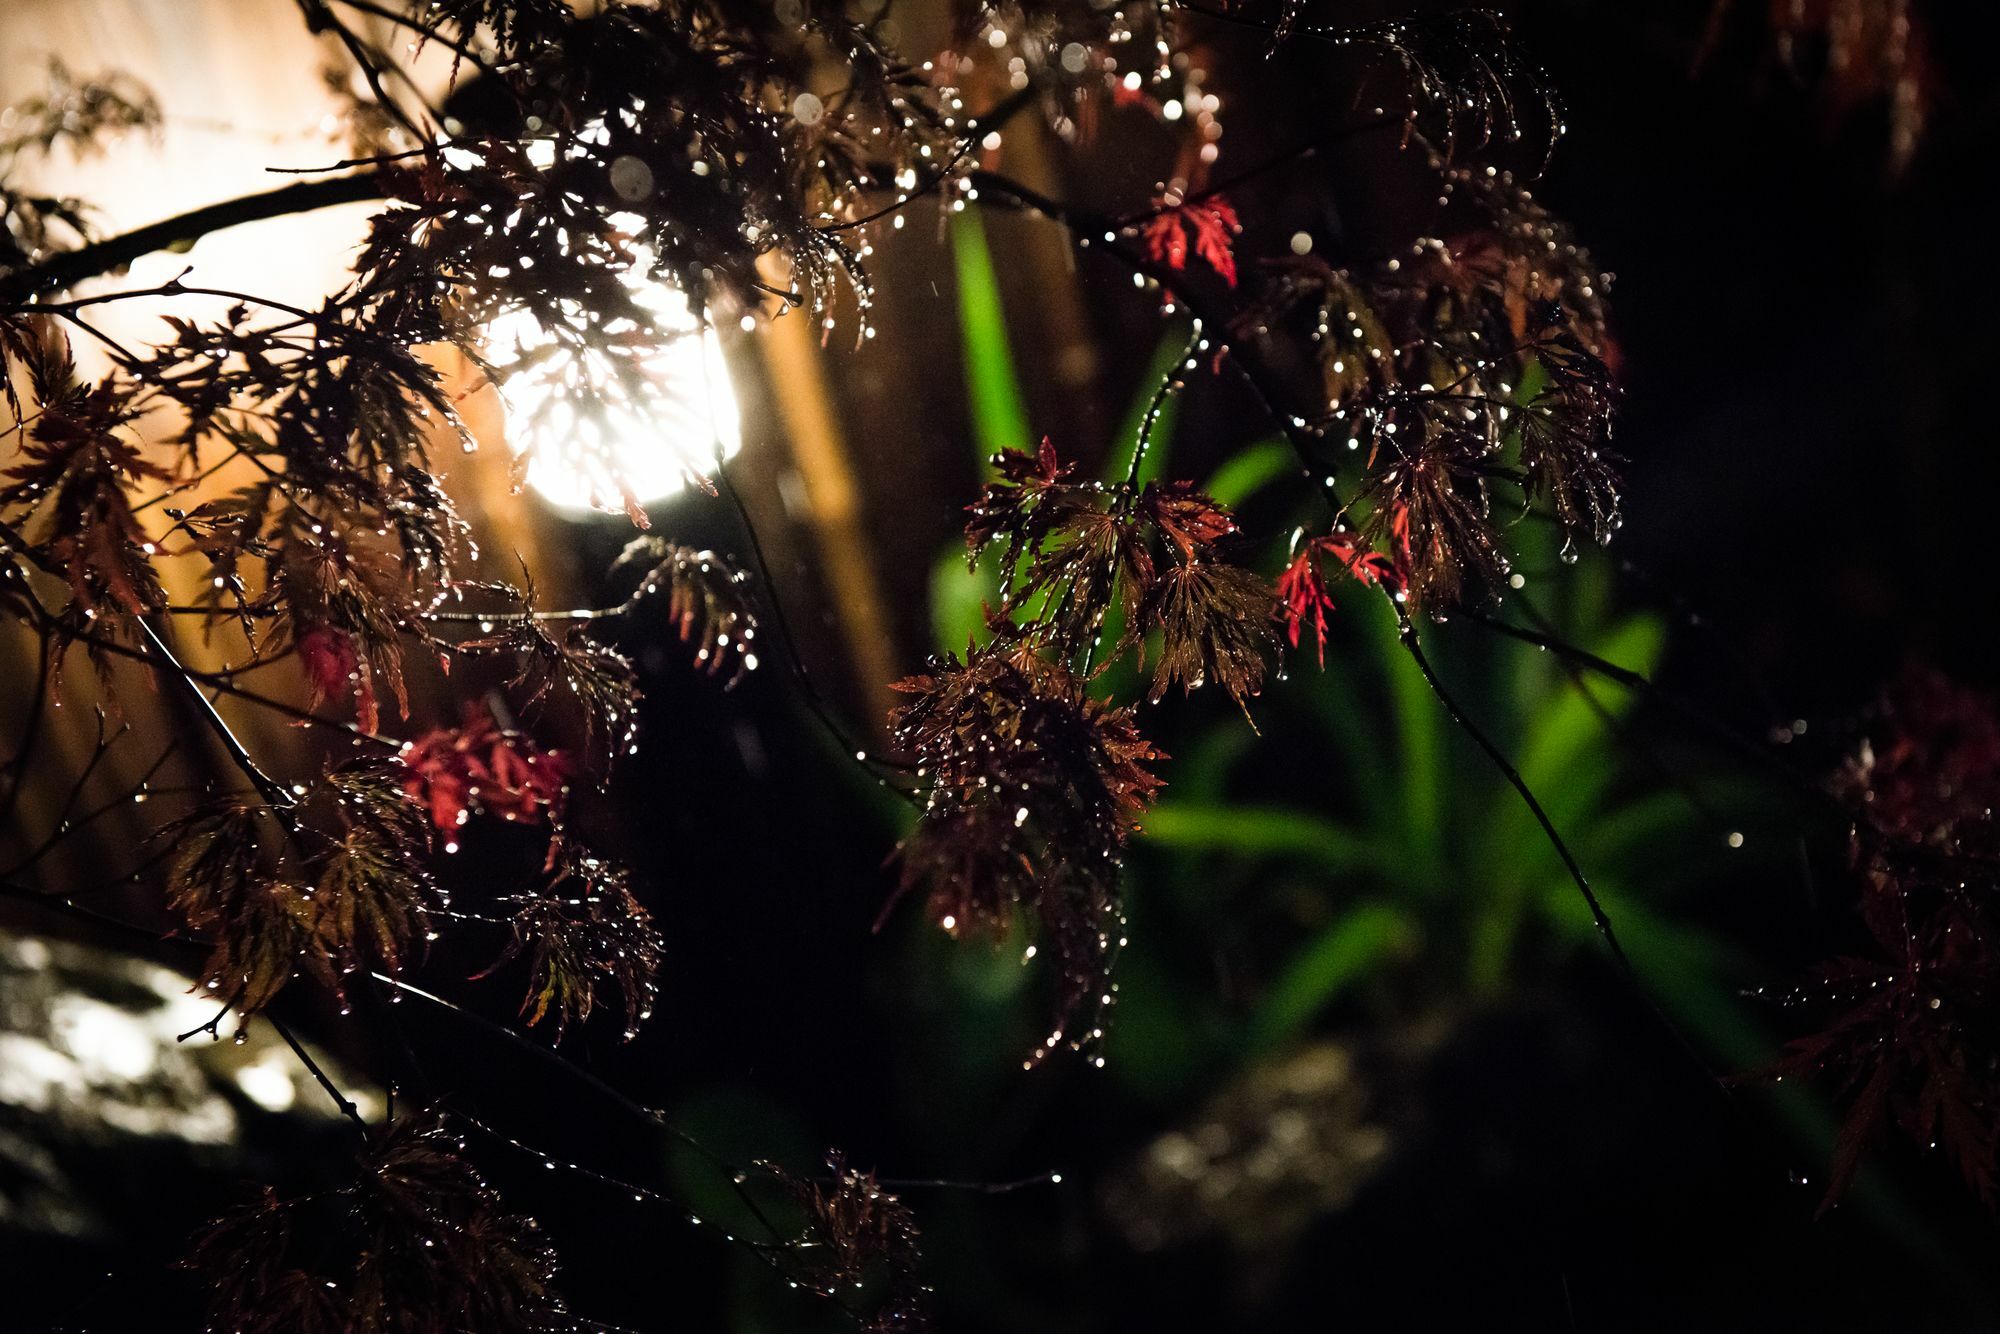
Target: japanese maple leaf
1303,596
335,669
1302,588
1907,1037
478,767
1192,521
1208,225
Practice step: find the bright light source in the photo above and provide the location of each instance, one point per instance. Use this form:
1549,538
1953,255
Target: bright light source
592,447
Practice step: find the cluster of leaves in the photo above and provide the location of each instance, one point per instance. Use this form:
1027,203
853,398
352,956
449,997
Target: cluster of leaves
339,880
340,548
1210,225
341,544
76,113
580,927
582,934
1303,595
66,490
1908,1033
565,666
1085,61
857,1234
1034,789
776,124
417,1244
559,214
1462,79
1072,553
1034,786
1479,361
330,883
453,772
708,600
1458,76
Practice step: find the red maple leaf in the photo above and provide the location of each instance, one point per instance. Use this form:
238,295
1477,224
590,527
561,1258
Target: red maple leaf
1210,225
1192,521
479,767
1303,591
335,668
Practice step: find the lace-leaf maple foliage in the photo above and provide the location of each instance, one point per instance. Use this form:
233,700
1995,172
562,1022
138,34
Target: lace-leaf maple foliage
739,153
417,1243
856,1234
1905,1032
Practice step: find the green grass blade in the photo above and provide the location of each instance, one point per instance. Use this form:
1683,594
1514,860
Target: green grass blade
1260,831
999,413
1342,954
1250,470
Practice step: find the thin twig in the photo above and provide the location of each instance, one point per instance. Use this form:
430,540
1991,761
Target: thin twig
1168,386
596,1085
272,790
340,1100
1407,635
808,688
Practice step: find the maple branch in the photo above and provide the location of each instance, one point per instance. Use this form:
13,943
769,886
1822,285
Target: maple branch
272,790
340,1100
1051,1178
71,267
808,688
1309,149
225,682
214,1025
65,905
319,18
1166,389
1096,232
975,130
63,826
425,33
1585,660
1407,635
17,764
585,1079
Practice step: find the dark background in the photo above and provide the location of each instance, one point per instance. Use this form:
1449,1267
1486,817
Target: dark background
1806,345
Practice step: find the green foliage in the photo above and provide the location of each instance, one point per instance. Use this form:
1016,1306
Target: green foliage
1415,862
999,413
1362,940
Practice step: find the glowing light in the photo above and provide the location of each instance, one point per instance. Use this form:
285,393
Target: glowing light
641,438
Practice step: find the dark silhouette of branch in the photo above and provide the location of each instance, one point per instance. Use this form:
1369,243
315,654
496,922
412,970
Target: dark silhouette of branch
272,790
340,1100
70,267
549,1057
1407,635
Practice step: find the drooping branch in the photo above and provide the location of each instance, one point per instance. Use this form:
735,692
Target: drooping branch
1407,635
